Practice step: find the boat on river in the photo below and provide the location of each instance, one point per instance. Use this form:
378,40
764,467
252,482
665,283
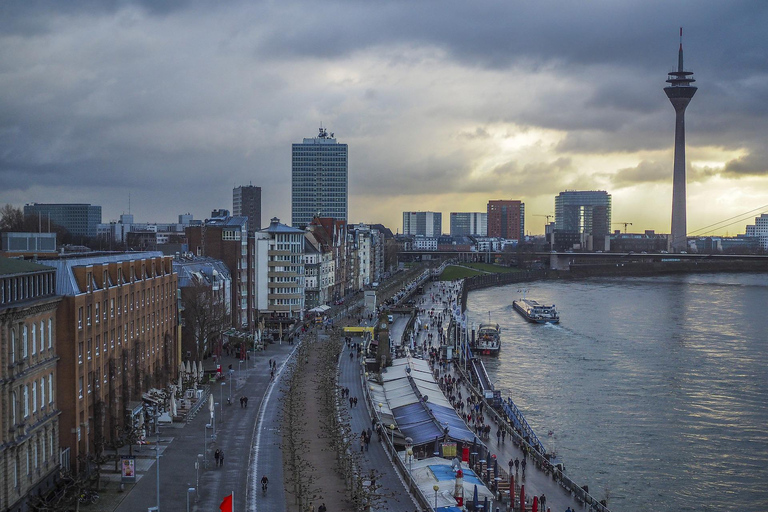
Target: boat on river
488,340
536,313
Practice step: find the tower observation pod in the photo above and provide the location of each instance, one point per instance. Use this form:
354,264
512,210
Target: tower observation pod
679,91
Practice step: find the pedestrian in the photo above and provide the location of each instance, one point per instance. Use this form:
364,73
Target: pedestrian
367,440
543,501
322,508
241,403
498,436
517,464
503,434
216,456
522,465
351,402
221,458
362,442
355,401
245,399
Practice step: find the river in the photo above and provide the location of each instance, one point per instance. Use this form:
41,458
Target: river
655,389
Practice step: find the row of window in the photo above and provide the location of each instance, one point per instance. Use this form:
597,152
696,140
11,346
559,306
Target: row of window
45,339
28,398
123,305
141,326
40,450
13,289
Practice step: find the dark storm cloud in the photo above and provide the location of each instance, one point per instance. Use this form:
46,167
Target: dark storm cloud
753,164
105,95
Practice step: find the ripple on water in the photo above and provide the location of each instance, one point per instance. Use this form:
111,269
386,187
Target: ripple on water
656,389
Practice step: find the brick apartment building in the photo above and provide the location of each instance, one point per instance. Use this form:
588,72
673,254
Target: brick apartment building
116,332
29,414
506,219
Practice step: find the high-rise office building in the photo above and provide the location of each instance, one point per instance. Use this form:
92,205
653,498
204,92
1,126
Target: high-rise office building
469,223
680,91
506,219
585,212
422,223
78,219
246,202
319,179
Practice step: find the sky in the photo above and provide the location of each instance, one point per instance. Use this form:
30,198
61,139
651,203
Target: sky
444,105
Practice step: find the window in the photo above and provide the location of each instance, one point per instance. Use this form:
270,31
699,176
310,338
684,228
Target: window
80,352
24,344
112,308
98,344
13,345
105,310
90,347
42,336
119,305
34,397
42,392
50,389
34,339
80,317
25,399
50,334
14,407
88,315
97,311
80,382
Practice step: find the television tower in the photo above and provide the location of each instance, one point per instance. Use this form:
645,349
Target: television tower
680,91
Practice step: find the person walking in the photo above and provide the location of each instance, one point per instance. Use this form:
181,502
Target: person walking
221,458
517,465
216,456
522,466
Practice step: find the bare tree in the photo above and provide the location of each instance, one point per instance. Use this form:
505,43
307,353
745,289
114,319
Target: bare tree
206,316
11,218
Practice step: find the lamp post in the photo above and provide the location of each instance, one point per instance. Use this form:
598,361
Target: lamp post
205,443
200,457
380,406
221,402
189,491
436,488
157,460
392,432
231,373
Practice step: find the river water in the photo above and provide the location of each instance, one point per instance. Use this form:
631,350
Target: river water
655,389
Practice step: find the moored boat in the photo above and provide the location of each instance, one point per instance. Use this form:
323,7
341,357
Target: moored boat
488,340
537,313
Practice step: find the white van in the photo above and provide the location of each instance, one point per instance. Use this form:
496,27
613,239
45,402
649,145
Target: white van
390,318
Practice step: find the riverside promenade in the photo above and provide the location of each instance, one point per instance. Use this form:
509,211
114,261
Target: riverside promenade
536,481
180,445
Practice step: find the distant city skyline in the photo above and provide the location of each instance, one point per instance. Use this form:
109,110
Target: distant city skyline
178,104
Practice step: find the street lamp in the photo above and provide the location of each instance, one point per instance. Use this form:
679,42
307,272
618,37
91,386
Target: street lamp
189,491
231,372
436,488
205,443
380,406
392,431
221,401
200,457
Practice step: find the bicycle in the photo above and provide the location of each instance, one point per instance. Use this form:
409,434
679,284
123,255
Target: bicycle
264,483
88,497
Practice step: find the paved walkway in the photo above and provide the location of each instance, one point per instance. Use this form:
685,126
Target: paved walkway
536,481
395,490
181,447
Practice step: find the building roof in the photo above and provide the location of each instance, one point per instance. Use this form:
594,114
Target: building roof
227,221
65,278
276,227
12,266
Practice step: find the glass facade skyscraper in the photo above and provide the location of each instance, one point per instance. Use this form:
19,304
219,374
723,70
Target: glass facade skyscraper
469,223
319,179
422,223
586,212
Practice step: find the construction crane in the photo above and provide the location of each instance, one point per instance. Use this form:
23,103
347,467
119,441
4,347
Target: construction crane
541,215
625,225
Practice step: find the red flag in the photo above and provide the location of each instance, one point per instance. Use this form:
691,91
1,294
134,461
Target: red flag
226,505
